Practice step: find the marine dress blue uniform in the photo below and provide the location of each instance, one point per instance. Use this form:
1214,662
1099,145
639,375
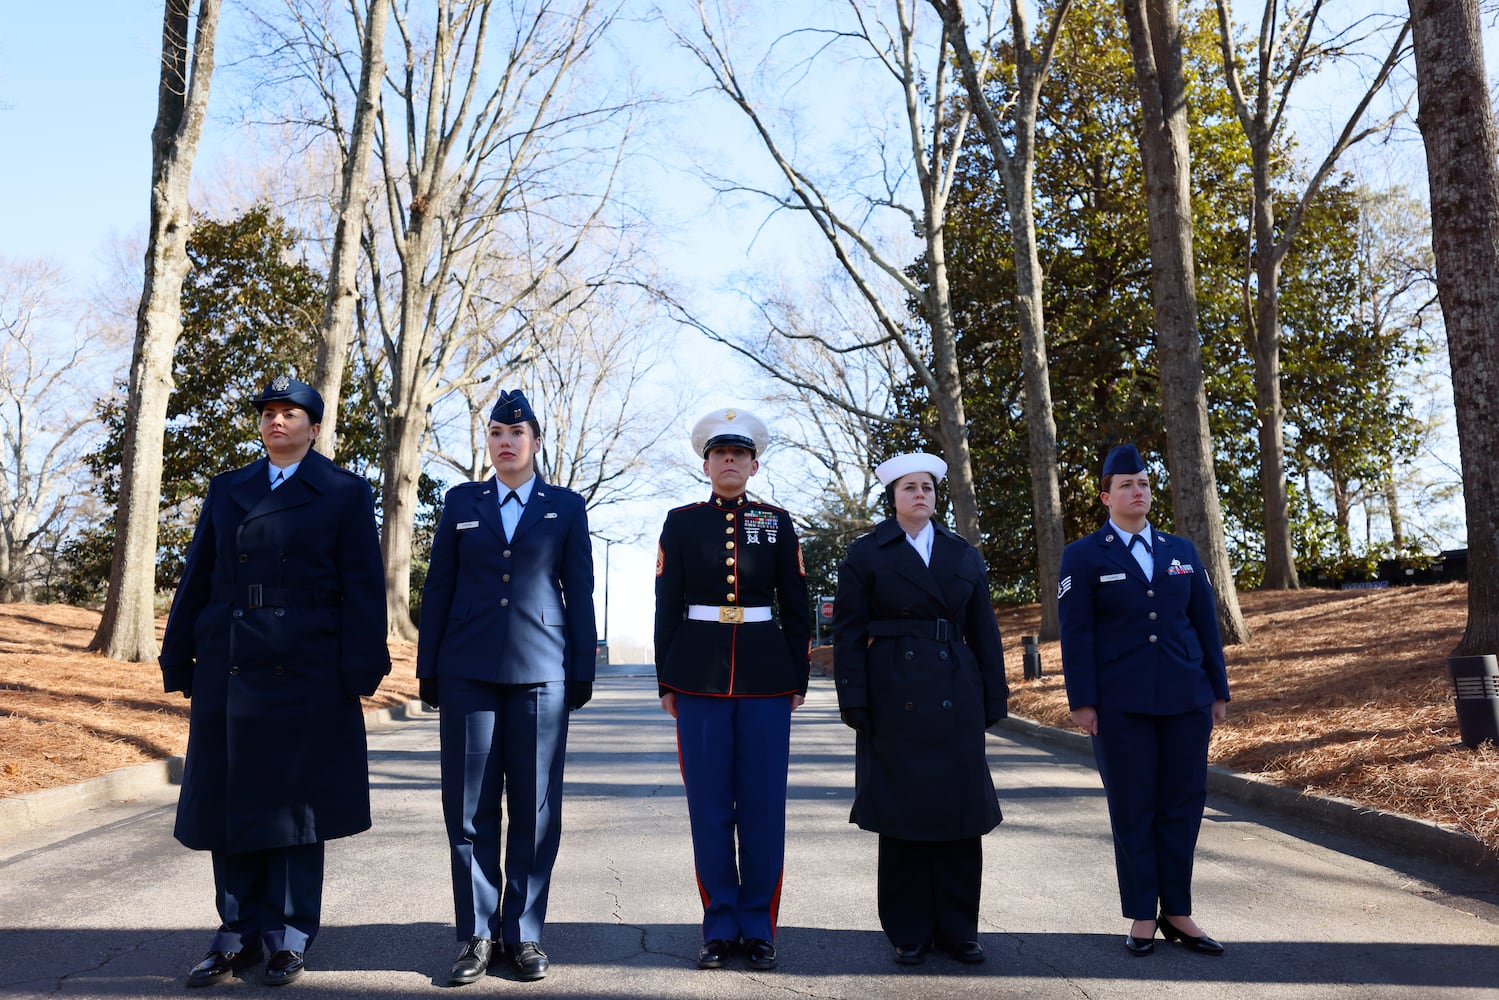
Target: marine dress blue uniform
277,627
722,566
1144,651
507,622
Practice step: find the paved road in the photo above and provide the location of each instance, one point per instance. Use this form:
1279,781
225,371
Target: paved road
110,906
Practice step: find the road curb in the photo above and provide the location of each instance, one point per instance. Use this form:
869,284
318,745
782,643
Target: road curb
1390,830
21,813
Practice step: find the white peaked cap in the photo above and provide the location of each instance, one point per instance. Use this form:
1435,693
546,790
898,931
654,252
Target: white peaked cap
903,465
730,426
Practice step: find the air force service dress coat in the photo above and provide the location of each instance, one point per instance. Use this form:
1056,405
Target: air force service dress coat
277,627
918,647
1131,644
509,612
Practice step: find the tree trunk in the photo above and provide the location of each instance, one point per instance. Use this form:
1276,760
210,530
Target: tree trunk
1155,44
337,330
405,424
1392,507
127,630
952,420
1280,558
1457,126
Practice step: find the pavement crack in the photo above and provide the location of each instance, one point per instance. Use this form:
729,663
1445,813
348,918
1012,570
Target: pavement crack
140,945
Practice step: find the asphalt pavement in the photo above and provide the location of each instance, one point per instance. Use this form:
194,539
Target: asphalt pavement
102,902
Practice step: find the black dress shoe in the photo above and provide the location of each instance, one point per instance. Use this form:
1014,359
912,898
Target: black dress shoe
760,954
968,952
284,967
910,955
713,954
217,965
1139,947
1203,945
529,961
472,962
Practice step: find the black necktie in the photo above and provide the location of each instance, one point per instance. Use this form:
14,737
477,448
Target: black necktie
280,478
512,495
1139,540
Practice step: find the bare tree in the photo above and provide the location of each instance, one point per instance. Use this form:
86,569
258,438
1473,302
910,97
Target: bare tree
1014,165
46,426
1156,49
930,154
1456,119
337,330
1288,49
127,630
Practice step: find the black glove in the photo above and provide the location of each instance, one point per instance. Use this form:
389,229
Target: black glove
427,688
187,691
858,719
579,693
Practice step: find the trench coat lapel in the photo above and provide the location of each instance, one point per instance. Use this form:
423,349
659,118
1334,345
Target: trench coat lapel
252,485
947,553
306,485
904,559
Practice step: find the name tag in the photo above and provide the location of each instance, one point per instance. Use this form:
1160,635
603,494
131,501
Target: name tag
1111,578
465,525
549,514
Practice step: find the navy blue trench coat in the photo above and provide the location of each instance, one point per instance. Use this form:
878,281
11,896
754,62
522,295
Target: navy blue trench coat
918,647
277,628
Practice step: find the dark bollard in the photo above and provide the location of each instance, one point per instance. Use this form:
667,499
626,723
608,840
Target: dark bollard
1475,680
1031,657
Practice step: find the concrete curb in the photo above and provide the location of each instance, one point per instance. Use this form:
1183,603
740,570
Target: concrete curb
21,813
1387,829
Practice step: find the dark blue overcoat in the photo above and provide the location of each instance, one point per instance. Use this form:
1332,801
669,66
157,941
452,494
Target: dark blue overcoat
277,627
923,773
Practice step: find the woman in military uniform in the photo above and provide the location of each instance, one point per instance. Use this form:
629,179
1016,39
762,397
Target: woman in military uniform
1146,679
920,677
506,650
731,677
276,630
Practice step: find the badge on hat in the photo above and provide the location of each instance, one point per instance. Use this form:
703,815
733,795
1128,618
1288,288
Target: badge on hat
285,389
732,427
512,408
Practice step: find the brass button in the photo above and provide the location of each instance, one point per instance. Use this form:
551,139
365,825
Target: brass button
728,545
729,530
728,517
504,602
505,577
729,561
730,598
729,578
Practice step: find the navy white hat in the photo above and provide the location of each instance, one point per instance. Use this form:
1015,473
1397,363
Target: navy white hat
285,389
512,408
1123,460
738,428
892,469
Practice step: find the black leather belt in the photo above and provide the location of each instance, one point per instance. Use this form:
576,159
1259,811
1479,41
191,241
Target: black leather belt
260,596
939,629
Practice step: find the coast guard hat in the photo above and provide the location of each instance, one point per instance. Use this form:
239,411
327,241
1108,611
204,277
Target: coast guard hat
892,469
732,427
285,389
512,408
1123,460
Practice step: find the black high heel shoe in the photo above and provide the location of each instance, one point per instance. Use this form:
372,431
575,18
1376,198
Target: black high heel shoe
1139,947
1203,945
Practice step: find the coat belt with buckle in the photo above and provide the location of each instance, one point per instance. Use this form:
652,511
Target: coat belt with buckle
730,614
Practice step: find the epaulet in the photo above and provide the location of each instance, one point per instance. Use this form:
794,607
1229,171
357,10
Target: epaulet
554,488
686,506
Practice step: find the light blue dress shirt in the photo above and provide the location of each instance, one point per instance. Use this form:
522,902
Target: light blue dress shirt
510,509
1141,552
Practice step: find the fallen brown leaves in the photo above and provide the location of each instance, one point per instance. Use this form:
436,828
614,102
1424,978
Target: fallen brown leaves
67,714
1343,693
1339,692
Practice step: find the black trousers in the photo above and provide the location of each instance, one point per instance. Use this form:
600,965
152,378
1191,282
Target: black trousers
929,890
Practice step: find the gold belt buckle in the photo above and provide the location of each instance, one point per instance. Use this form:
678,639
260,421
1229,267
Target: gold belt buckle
730,615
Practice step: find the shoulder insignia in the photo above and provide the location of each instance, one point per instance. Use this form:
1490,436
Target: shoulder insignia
800,564
660,559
